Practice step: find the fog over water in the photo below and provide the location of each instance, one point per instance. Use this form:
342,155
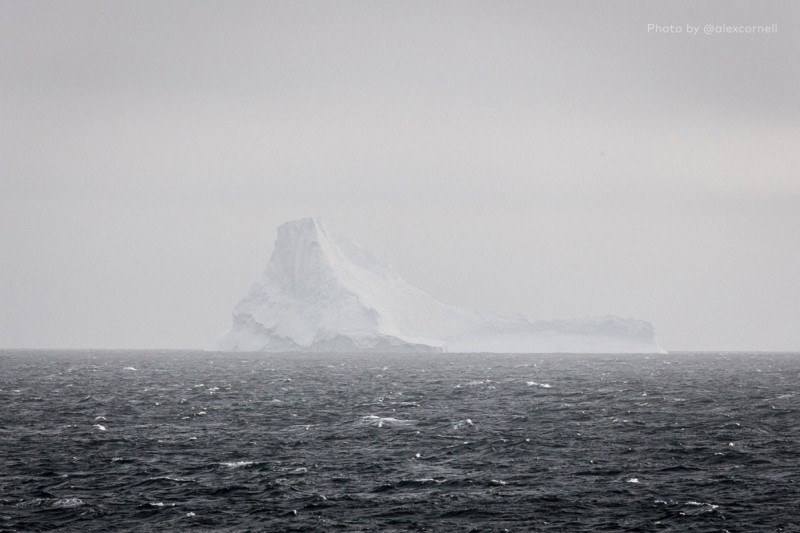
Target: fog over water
550,159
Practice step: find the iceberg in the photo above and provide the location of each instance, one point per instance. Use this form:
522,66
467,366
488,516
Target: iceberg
321,292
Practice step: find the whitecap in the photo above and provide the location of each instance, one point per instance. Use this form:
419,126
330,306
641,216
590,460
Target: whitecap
68,502
130,368
708,507
536,384
99,427
237,464
160,504
384,421
464,423
169,478
633,480
428,480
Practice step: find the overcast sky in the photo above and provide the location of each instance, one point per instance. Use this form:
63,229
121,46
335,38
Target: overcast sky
556,159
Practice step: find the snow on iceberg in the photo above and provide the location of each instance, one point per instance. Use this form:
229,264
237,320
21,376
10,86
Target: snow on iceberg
321,292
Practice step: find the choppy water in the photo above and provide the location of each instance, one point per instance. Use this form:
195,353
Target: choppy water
153,441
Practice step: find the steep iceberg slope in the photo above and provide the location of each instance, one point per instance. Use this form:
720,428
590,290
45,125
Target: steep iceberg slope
321,292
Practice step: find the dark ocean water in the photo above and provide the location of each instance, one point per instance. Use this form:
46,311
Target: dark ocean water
169,441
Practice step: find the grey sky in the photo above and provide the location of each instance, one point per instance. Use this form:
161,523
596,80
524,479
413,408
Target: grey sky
550,158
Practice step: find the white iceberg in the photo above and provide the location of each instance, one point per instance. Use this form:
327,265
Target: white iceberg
321,292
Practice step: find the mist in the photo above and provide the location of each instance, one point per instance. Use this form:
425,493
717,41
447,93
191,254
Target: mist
550,159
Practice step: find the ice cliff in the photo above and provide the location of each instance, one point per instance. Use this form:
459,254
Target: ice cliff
322,293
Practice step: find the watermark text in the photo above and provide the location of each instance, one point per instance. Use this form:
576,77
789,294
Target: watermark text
711,29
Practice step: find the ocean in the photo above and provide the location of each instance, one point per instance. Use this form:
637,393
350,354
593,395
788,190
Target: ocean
180,440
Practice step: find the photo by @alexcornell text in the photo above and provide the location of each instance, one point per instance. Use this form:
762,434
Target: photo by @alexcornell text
711,29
